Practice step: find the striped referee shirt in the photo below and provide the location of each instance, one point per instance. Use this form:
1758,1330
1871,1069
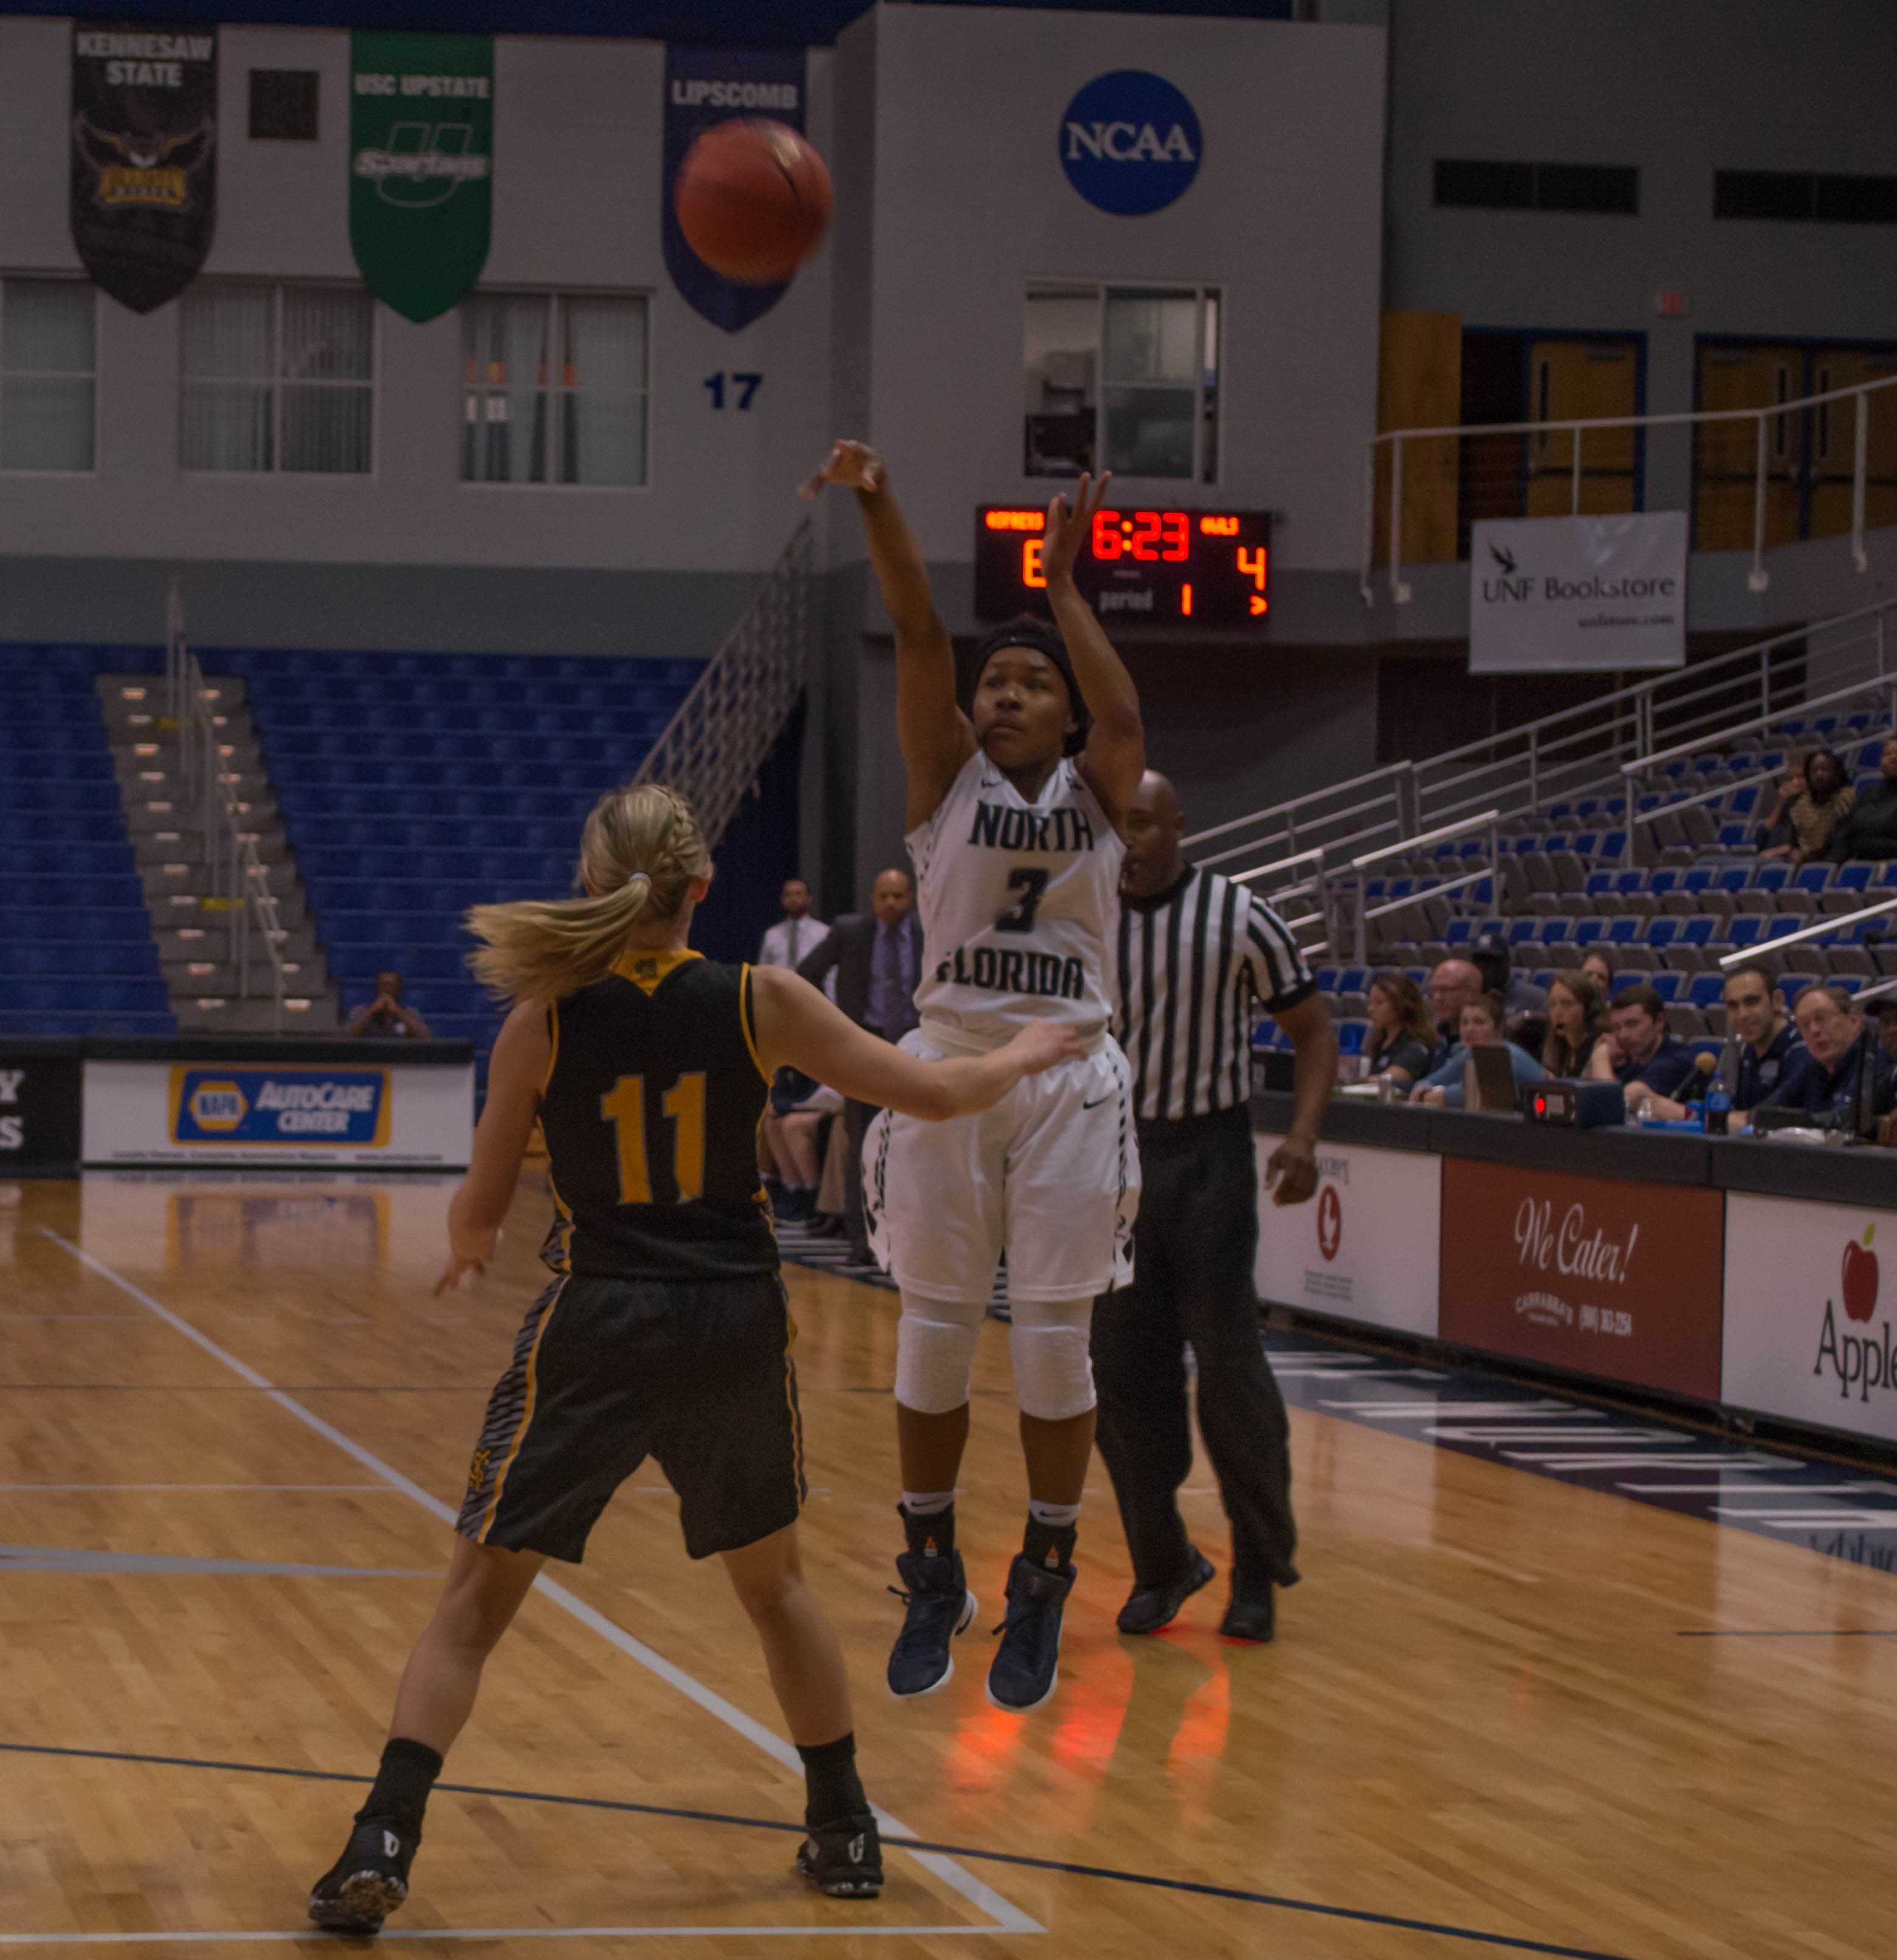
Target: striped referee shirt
1192,958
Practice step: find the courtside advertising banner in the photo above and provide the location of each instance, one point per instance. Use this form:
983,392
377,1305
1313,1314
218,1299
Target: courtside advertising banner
1365,1248
144,200
1601,1276
39,1109
1808,1309
1568,595
704,86
421,165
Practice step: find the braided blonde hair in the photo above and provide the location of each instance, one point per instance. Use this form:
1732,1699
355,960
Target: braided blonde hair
640,851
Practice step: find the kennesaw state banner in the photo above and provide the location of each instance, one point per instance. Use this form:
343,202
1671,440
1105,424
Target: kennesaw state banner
421,165
704,86
1570,594
145,145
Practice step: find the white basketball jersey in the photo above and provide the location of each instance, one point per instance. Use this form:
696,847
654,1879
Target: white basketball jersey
1018,900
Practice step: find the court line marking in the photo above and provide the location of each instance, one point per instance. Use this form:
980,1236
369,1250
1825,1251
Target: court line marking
381,1490
1007,1918
1509,1941
483,1932
1787,1634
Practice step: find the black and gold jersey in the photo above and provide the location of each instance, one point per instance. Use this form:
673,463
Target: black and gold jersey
651,1113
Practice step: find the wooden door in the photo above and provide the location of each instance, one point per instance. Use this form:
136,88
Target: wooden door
1834,436
1583,380
1725,453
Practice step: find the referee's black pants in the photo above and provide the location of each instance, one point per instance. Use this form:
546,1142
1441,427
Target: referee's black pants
1193,1247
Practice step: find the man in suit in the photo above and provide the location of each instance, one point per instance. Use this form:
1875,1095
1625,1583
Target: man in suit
876,956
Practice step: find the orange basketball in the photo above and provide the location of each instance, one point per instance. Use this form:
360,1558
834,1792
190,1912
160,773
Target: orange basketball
752,199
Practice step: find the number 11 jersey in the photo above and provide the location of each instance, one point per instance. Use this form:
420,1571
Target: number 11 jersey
1018,901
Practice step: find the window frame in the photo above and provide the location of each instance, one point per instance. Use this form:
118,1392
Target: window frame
277,380
467,392
51,278
1102,289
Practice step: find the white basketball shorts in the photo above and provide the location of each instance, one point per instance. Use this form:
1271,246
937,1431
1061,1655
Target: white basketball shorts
1050,1176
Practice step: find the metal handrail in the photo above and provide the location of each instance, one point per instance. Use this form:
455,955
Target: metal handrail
1434,891
1720,737
1836,924
1284,865
1262,816
1438,836
1713,795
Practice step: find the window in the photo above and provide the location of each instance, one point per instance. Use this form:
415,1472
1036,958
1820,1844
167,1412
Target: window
554,389
1804,197
1123,378
48,374
283,105
1612,189
277,378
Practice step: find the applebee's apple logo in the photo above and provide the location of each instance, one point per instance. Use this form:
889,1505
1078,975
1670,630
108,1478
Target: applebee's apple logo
1330,1222
1859,1361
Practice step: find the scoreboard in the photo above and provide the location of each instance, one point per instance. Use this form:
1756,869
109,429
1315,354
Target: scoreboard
1146,567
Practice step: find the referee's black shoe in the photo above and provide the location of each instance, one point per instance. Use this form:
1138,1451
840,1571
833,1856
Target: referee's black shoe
368,1882
940,1607
844,1859
1251,1618
1027,1665
1149,1608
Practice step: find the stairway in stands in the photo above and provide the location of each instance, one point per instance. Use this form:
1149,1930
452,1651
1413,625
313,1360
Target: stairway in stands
77,955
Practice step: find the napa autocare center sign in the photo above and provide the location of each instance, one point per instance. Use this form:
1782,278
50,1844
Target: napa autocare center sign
1575,594
297,1111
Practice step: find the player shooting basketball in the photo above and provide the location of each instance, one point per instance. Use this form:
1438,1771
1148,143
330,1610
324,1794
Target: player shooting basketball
1011,821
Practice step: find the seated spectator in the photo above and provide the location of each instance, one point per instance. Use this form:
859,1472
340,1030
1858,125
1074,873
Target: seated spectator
1520,997
385,1018
793,1123
1576,1024
1871,831
1451,986
1815,798
1887,1025
1639,1054
1481,1021
1765,1053
1849,1080
1594,967
1403,1038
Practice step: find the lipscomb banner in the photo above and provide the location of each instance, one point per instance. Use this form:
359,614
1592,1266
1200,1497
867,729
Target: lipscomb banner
421,165
145,146
704,86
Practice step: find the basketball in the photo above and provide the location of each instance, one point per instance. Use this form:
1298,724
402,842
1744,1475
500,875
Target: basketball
752,198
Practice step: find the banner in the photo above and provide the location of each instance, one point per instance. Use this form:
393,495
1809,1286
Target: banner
1576,594
39,1109
421,165
144,198
1599,1275
1365,1248
1808,1313
704,86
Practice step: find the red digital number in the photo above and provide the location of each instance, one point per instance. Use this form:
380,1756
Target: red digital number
1145,534
1106,534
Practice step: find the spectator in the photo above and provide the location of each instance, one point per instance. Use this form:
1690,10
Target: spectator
1451,986
1887,1025
1639,1054
385,1017
1576,1024
1594,967
1519,996
1404,1036
1871,831
1765,1054
797,934
1815,798
793,1123
1849,1080
876,956
1481,1021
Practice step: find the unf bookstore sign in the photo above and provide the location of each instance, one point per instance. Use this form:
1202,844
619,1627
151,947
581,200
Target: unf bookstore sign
1576,594
421,165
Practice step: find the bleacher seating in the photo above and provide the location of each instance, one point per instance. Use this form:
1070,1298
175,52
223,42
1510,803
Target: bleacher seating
77,954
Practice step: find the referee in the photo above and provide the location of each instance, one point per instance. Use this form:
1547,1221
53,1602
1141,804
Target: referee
1195,950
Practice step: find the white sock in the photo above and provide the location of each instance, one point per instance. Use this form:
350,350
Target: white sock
1056,1517
926,1503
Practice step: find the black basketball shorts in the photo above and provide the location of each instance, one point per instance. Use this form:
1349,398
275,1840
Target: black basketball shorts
696,1373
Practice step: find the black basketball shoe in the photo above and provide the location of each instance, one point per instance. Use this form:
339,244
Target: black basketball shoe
1027,1663
843,1859
940,1607
368,1882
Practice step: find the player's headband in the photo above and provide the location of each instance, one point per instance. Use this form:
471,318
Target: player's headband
1043,639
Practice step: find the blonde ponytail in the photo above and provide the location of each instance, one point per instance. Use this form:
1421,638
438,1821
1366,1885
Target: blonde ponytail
640,851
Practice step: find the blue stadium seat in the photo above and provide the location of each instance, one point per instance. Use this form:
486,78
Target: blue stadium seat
1705,990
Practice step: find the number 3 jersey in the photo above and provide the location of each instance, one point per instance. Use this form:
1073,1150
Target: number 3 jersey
650,1112
1017,900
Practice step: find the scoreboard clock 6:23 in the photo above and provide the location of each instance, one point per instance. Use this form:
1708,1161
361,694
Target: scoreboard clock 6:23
1148,567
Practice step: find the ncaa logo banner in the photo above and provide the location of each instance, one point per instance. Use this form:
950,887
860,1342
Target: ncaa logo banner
421,165
1130,143
340,1107
144,199
707,85
1575,594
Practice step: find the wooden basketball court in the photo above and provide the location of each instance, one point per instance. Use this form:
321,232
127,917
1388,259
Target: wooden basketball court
236,1424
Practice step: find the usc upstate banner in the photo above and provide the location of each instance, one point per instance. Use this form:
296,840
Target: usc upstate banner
145,139
421,165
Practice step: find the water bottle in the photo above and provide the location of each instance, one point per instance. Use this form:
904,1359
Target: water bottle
1718,1107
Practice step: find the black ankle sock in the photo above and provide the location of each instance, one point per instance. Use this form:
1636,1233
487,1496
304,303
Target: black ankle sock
831,1786
1049,1545
402,1783
931,1537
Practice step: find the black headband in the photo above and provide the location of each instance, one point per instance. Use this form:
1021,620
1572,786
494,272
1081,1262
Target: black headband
1042,638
